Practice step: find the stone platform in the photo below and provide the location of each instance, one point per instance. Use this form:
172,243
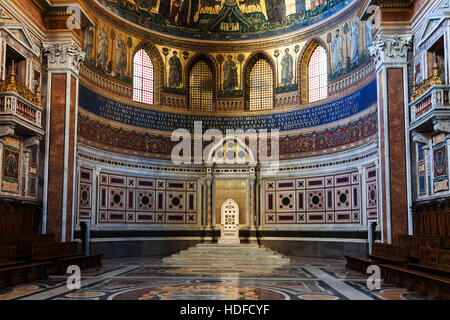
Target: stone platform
212,255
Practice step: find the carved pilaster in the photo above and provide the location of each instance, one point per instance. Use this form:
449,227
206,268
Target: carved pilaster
253,189
64,56
209,214
391,50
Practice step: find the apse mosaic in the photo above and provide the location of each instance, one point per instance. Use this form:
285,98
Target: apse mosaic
225,19
111,50
320,200
138,200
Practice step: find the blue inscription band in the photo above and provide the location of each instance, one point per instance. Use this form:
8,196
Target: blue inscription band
141,117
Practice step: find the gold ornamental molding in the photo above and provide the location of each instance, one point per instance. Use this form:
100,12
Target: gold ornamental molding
11,85
425,85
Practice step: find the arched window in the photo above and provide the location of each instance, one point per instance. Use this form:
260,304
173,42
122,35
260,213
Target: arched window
261,86
318,75
142,77
201,87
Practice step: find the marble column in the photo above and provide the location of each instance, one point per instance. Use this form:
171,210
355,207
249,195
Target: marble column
391,54
209,213
63,65
253,189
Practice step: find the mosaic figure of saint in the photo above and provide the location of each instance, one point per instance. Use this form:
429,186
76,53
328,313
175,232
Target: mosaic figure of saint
369,33
354,43
276,10
230,79
164,9
121,56
336,49
175,10
287,68
175,71
316,3
102,47
188,11
88,41
300,5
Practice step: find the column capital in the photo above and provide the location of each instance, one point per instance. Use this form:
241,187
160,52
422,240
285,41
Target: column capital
64,56
391,50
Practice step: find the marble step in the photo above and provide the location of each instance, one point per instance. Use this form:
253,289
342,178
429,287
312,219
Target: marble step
214,255
218,245
227,252
234,258
218,262
223,258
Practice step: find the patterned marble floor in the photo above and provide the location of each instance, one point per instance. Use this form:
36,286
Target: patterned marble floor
149,279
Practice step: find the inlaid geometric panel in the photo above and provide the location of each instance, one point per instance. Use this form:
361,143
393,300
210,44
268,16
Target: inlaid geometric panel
372,195
145,200
316,200
116,198
343,198
176,201
141,200
330,199
270,201
286,201
85,196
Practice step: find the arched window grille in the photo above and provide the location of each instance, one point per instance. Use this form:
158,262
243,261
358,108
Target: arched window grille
261,86
143,84
318,75
201,87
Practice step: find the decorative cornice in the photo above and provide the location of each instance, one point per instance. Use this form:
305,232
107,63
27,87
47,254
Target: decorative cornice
63,56
391,50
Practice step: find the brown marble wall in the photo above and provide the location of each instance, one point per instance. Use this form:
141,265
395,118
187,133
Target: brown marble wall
56,155
397,152
70,189
382,148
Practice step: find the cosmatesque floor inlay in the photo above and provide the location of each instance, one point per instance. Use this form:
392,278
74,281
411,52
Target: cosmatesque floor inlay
147,278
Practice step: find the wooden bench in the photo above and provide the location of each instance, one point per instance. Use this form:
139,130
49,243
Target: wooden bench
426,284
434,260
25,243
384,252
53,251
12,275
83,261
63,255
359,264
8,254
413,244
